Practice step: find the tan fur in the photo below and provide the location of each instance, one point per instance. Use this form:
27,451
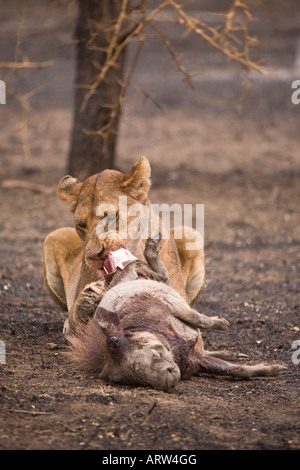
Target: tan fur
192,261
73,257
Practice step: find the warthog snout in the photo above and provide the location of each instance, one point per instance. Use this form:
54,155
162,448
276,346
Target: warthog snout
169,378
150,362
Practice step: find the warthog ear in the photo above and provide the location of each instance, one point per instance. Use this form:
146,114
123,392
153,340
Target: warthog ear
106,319
68,190
109,324
137,180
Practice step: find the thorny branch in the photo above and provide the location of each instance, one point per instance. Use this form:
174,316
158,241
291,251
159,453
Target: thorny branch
26,64
14,66
232,39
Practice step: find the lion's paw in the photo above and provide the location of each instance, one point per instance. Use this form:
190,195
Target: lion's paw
94,290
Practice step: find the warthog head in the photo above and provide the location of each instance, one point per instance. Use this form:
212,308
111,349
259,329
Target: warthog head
138,357
147,361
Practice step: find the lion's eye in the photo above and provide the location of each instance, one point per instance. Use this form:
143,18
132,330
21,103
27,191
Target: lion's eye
111,217
81,226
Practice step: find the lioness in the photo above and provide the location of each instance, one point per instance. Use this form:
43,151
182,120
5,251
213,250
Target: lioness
73,258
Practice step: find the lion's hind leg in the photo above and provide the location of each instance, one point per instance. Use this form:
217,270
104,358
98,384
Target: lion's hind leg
190,248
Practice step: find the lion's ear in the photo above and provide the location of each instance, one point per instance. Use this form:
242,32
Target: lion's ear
68,190
137,180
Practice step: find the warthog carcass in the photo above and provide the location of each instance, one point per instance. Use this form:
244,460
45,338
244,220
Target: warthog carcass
138,330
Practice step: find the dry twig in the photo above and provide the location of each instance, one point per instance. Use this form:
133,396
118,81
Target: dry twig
28,412
233,40
26,64
23,99
21,184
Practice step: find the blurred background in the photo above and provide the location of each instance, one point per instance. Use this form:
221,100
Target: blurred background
206,126
213,144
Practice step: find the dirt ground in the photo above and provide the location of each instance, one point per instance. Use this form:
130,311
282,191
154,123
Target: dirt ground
243,165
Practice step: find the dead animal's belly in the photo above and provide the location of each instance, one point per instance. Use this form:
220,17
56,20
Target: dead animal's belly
120,296
115,298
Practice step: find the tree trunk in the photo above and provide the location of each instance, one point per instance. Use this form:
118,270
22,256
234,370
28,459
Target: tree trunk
91,154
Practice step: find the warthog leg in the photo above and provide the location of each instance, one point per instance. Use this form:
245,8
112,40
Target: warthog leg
151,254
183,312
180,310
214,365
226,355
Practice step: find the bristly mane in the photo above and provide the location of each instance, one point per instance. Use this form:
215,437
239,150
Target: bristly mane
89,349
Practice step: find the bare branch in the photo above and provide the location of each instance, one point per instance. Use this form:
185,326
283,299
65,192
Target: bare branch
26,65
21,184
233,40
113,55
173,54
231,37
147,95
221,40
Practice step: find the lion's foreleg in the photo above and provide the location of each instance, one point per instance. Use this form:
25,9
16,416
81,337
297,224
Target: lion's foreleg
84,306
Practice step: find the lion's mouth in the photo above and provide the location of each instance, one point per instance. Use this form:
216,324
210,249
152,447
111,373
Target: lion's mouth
116,259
